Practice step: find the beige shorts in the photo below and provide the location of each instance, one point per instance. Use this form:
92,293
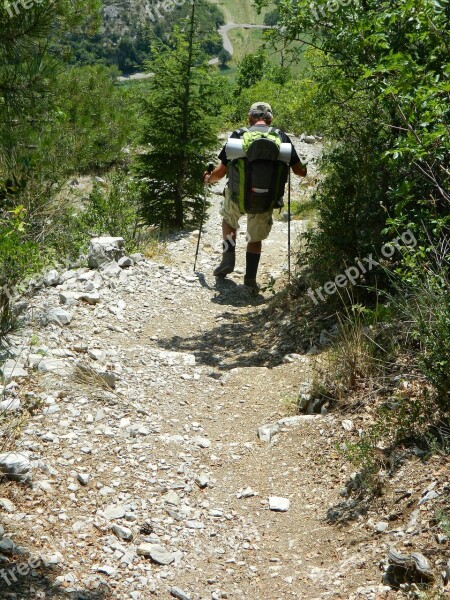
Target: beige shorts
258,226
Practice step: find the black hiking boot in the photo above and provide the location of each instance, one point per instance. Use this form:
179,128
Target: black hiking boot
227,265
252,286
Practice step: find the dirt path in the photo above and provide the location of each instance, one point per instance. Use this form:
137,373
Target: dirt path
172,457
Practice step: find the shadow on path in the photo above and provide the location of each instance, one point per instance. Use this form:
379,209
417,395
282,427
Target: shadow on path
42,586
235,342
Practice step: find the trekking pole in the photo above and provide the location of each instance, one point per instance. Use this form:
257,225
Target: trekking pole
210,170
289,226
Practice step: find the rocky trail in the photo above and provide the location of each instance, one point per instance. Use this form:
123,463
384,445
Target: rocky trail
149,475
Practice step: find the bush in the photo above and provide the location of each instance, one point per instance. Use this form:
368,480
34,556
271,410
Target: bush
351,219
422,300
113,210
19,258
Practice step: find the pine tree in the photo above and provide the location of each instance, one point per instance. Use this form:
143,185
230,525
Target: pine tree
180,132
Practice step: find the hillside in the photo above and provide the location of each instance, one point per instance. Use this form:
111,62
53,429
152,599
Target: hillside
126,31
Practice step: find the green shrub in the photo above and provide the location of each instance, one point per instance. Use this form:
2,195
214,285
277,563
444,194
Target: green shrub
422,300
113,210
19,259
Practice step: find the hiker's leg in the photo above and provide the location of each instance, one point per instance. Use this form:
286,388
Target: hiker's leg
230,224
228,236
258,229
254,247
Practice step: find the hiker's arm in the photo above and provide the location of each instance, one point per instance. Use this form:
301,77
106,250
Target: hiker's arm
300,169
218,174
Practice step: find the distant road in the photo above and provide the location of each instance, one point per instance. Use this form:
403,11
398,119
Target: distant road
223,32
135,77
224,29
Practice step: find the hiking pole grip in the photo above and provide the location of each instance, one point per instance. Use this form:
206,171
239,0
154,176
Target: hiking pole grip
210,168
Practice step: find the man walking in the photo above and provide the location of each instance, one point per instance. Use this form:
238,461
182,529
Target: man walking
259,225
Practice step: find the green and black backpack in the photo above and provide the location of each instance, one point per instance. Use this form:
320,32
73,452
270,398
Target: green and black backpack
257,181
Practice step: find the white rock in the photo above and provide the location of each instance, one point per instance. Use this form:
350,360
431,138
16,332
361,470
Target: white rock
68,275
125,262
347,424
202,442
59,316
52,365
83,478
202,481
97,354
112,512
171,498
157,553
296,420
122,533
279,504
179,594
176,358
16,467
52,278
54,559
266,432
110,269
7,505
107,570
193,524
290,358
247,493
7,546
104,250
10,405
13,370
90,298
68,298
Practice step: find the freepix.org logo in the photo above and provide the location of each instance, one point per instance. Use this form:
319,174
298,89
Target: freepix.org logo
15,8
352,274
321,10
161,9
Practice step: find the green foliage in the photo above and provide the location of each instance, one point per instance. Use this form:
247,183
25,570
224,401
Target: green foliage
387,63
251,70
92,117
271,18
293,103
81,127
350,216
422,301
26,66
54,123
19,258
127,33
113,211
180,133
224,57
361,454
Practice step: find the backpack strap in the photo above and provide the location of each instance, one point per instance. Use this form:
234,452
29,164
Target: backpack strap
241,131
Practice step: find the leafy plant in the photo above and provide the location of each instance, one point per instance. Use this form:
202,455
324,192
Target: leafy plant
114,210
19,258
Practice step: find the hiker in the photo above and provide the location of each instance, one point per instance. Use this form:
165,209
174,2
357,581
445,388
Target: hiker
244,196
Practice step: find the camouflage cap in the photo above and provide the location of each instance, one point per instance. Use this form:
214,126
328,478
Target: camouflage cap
260,108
